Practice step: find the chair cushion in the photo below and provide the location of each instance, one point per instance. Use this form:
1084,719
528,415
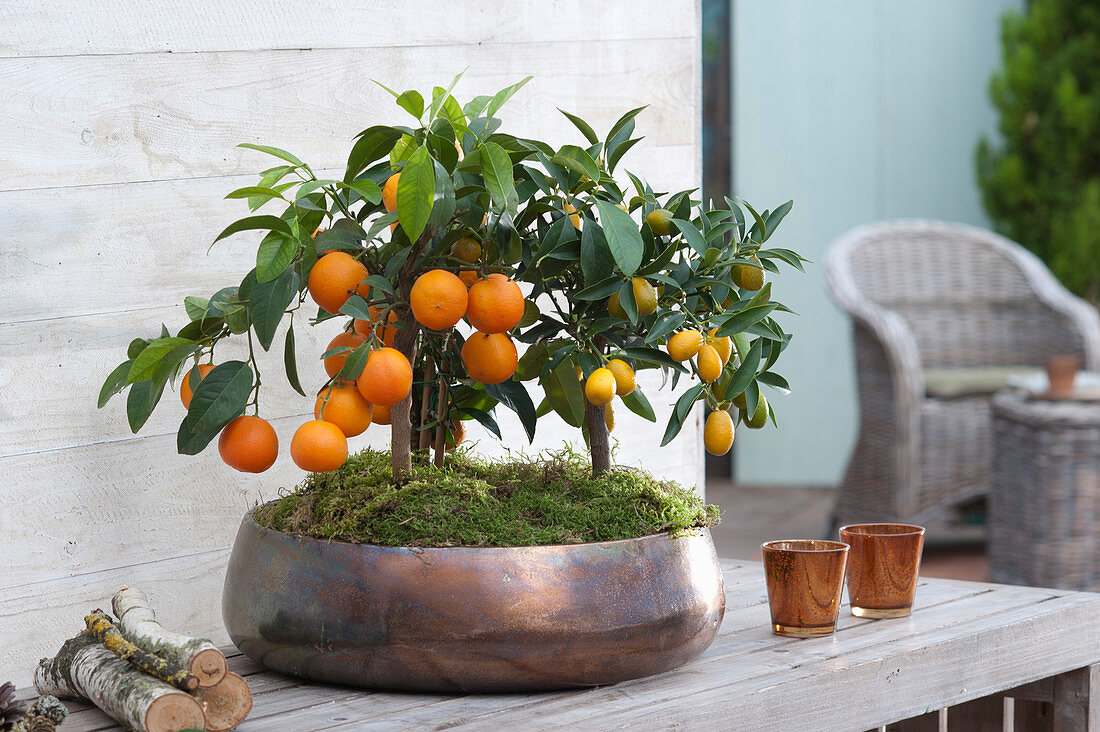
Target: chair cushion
971,382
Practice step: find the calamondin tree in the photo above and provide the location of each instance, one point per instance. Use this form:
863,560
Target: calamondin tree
564,276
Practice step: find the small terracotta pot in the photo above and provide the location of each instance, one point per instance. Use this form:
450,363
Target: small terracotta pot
1061,371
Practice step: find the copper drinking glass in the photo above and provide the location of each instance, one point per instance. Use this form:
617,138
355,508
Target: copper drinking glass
1062,372
805,578
882,568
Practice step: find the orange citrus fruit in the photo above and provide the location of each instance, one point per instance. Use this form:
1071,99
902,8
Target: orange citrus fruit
318,447
600,387
469,277
249,444
748,277
723,345
614,307
380,414
185,385
609,418
389,192
347,339
495,305
490,358
366,328
645,295
345,407
387,377
573,216
625,381
759,418
466,249
684,344
659,221
456,434
709,363
334,277
718,433
438,299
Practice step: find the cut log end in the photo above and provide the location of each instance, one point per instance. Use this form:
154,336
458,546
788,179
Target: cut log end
173,712
209,666
226,704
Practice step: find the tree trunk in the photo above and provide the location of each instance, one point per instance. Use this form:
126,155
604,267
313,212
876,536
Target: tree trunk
138,624
598,442
400,421
85,669
106,633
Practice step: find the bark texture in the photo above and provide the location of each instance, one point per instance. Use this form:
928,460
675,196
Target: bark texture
138,624
598,441
83,668
106,633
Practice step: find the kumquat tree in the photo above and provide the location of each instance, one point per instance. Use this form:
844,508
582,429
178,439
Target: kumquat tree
453,219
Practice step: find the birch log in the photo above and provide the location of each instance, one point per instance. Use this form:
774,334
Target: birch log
139,625
83,668
106,633
225,704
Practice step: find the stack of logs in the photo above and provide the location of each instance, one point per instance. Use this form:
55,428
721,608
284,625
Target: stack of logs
146,677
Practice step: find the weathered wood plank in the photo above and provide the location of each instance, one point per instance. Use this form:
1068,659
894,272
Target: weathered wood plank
114,119
36,618
81,27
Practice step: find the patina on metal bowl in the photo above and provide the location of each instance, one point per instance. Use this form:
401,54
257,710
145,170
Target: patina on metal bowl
471,619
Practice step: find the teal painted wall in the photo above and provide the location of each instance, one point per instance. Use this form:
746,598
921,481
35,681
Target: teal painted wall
859,111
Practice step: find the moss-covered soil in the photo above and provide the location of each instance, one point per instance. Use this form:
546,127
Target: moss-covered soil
475,502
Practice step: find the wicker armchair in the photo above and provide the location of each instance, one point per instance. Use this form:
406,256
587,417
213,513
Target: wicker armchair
926,296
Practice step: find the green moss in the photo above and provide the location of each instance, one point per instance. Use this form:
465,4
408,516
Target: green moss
477,502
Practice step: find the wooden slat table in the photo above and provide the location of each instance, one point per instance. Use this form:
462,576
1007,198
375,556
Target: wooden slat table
965,641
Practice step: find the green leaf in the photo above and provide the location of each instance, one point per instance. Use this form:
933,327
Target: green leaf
274,255
290,361
680,413
578,160
334,238
412,102
368,189
218,399
136,346
600,290
636,402
196,307
621,149
691,235
623,237
565,393
775,381
145,365
114,383
416,193
744,374
497,171
743,319
584,127
373,144
503,96
259,192
443,203
281,154
597,264
621,124
251,223
628,302
267,303
777,216
141,401
664,325
514,395
654,356
355,362
440,96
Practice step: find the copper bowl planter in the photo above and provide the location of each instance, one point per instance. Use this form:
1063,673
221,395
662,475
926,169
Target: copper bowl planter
471,619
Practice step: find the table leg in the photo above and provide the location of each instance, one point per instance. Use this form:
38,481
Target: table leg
1077,700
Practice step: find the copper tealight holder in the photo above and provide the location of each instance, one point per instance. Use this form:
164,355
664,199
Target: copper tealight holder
882,568
805,578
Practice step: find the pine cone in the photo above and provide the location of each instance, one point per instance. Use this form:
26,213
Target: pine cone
10,709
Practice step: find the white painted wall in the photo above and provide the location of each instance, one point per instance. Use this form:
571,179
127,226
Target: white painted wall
859,111
118,123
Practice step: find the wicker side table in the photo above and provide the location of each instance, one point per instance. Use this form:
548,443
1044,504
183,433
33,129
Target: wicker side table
1044,508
